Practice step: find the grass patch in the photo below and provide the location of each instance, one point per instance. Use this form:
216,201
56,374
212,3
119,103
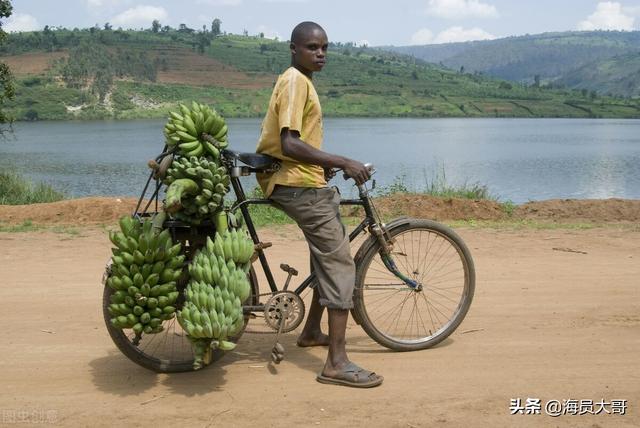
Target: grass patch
29,226
66,230
266,215
508,207
26,226
15,190
536,225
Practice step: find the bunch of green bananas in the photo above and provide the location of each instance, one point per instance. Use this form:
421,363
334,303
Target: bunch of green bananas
197,187
212,312
211,267
189,128
233,245
145,268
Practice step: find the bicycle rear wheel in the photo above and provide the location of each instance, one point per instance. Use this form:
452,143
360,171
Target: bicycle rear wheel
406,319
168,351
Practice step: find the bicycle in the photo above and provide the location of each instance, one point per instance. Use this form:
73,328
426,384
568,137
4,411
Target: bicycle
415,278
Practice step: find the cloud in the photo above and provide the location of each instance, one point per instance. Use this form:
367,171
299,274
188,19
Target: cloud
456,9
451,35
269,33
21,22
459,34
609,15
106,3
139,16
220,2
423,36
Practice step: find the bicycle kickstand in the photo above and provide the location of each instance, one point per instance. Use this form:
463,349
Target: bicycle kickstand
277,352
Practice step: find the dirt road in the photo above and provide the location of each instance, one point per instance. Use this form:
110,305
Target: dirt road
556,316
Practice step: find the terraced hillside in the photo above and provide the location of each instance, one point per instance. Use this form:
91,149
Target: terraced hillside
88,74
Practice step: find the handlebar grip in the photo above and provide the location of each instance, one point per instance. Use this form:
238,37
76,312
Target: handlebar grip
367,165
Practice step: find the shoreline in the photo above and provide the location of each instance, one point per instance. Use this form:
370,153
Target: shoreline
106,210
329,116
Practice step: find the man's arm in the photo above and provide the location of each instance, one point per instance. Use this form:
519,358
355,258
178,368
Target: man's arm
297,149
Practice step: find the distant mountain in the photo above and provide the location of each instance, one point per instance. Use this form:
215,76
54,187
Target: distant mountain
568,58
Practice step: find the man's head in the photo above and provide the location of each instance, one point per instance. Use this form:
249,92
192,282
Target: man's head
308,47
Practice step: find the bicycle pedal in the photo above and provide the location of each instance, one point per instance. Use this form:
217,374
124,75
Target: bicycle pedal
278,348
277,358
288,269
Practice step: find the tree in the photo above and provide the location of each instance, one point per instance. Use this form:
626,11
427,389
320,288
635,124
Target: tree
215,27
7,90
108,26
203,42
155,26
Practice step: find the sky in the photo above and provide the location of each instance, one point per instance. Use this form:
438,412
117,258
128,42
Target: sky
374,23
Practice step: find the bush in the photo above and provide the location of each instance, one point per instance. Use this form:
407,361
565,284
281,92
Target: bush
439,187
31,115
15,190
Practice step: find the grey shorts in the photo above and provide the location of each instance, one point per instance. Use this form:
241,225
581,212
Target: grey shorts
317,214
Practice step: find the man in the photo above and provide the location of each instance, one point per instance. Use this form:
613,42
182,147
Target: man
292,132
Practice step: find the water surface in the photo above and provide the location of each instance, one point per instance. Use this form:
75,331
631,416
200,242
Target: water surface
518,159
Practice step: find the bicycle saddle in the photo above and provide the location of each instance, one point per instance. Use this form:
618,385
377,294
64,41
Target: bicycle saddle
257,161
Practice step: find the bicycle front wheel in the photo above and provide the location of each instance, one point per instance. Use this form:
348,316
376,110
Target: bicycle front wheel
400,317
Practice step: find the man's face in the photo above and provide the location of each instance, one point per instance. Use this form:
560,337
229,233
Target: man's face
310,53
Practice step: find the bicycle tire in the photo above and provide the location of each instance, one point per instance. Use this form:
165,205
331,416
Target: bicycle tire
155,360
438,247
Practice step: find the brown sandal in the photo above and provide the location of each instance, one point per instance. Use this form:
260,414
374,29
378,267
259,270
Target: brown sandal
353,376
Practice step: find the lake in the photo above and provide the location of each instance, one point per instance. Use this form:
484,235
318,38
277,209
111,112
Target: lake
518,159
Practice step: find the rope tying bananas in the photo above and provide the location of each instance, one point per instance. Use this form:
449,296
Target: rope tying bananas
146,266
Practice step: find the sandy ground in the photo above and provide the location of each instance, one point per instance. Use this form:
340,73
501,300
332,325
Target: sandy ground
545,323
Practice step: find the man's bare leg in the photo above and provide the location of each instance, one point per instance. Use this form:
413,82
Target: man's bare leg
337,356
312,334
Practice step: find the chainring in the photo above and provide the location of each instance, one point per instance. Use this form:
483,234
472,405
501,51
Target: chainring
287,306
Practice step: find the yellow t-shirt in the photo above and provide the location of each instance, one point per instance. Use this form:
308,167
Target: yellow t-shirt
295,105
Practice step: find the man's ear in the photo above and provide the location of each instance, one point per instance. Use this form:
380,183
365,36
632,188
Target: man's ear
292,48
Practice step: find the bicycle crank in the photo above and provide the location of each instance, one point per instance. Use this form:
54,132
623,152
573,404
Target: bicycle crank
283,312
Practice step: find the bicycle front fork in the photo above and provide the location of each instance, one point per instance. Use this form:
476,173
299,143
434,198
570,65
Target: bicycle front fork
386,246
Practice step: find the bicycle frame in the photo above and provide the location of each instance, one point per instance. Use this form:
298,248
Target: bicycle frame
242,203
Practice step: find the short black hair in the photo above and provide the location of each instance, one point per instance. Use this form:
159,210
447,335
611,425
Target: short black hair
302,29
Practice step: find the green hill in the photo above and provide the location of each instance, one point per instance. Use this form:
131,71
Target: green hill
617,75
93,73
554,57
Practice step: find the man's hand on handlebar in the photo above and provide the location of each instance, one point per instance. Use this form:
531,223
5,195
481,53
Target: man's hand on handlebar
357,170
329,173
